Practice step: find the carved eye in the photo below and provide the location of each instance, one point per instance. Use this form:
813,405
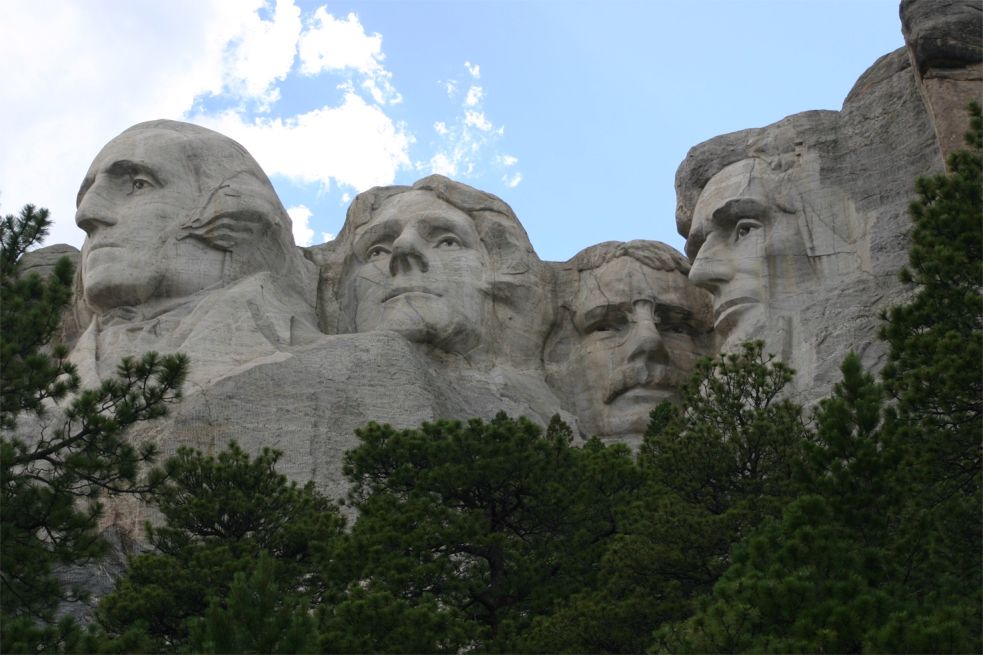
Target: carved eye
610,324
744,228
448,242
140,183
376,251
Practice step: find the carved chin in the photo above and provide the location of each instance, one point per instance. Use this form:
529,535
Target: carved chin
613,424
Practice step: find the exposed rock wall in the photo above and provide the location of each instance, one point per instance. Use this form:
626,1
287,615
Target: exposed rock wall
432,303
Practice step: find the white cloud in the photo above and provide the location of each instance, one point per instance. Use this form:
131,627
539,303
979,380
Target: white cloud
477,119
475,93
335,45
441,164
450,86
300,216
345,198
91,61
355,144
326,236
264,54
467,143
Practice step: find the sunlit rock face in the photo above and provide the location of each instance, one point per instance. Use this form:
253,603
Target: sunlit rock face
629,330
445,265
799,229
432,303
944,42
188,249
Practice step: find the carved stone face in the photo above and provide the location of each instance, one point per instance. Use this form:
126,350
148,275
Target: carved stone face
420,272
135,196
636,344
750,253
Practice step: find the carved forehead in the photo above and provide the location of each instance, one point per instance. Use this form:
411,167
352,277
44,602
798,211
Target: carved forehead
148,147
418,204
624,280
739,189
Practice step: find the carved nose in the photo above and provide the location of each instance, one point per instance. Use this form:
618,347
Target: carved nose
408,254
709,270
645,342
93,211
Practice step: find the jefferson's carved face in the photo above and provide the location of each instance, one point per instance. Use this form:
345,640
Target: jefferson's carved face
636,343
135,196
749,252
420,271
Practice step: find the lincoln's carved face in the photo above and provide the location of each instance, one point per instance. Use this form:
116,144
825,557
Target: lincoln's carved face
420,271
635,345
750,253
135,196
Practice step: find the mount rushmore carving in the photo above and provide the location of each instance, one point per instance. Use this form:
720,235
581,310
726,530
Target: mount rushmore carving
432,303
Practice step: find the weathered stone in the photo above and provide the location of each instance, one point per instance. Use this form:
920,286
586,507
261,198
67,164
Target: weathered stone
187,249
42,261
800,228
432,303
945,43
628,332
443,264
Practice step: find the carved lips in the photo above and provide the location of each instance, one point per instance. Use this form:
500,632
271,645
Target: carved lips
402,291
641,384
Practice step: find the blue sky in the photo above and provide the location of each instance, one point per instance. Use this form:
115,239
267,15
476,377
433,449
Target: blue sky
575,113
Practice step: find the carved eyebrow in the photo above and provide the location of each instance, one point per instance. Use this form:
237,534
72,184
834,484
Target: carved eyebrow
436,223
375,233
127,167
724,216
738,208
596,313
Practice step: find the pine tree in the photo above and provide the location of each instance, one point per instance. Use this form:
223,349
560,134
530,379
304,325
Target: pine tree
61,449
233,529
488,524
714,467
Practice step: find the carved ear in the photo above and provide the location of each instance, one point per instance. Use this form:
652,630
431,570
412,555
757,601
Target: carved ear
239,209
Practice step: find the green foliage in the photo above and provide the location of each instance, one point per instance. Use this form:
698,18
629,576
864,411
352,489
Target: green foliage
809,580
55,467
234,529
881,552
936,339
488,524
256,617
30,312
714,468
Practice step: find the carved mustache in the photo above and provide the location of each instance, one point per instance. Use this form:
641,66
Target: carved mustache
629,377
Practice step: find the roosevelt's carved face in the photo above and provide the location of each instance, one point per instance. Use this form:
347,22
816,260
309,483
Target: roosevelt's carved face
749,251
135,196
636,343
420,271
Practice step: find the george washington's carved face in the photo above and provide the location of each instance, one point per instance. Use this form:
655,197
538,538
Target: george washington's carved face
420,271
134,199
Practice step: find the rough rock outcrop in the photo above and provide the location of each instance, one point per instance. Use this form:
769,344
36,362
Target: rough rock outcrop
432,303
799,228
945,43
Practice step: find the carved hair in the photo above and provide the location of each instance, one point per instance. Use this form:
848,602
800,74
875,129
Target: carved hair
794,155
653,254
779,146
497,226
238,211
